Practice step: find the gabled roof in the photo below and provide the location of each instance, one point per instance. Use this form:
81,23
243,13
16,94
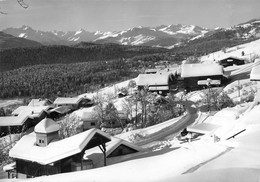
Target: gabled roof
68,100
203,128
198,70
39,102
255,72
60,110
230,57
37,110
153,79
89,114
111,146
46,125
26,149
13,120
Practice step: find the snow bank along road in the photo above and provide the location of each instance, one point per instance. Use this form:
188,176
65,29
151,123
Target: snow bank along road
192,114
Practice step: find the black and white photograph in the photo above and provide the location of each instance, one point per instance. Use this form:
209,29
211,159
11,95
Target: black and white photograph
129,90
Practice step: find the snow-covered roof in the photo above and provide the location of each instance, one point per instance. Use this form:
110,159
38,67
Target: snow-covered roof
13,120
46,125
29,109
152,79
68,100
154,70
255,72
88,114
111,146
152,88
39,102
60,109
229,57
203,128
196,70
172,70
26,149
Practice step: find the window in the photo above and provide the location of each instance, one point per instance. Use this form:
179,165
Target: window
92,124
41,141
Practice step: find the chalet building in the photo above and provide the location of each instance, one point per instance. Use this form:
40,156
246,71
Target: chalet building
230,61
42,153
14,124
160,83
89,117
193,74
73,103
22,118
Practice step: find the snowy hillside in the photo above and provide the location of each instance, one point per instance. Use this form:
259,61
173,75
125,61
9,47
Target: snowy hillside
251,51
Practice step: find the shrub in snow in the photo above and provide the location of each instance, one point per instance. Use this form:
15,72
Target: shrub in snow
223,101
70,126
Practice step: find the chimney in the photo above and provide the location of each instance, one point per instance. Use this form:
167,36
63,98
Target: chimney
46,131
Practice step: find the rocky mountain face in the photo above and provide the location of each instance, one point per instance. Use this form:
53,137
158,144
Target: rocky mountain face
9,41
161,36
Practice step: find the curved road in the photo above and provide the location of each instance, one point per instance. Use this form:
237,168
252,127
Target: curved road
191,116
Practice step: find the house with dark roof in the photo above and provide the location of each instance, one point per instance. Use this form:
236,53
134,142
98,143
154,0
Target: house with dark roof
194,74
43,153
230,61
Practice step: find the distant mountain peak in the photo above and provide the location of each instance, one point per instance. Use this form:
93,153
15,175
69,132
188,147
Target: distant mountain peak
159,36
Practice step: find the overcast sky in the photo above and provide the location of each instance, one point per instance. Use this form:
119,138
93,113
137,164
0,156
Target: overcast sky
110,15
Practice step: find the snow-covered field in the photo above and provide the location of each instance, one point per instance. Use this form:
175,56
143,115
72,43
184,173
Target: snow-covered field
5,103
251,50
174,163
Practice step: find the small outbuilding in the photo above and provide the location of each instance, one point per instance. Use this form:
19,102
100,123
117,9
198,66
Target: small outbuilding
230,61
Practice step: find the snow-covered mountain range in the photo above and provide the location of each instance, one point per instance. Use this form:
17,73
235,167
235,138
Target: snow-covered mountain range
161,36
167,36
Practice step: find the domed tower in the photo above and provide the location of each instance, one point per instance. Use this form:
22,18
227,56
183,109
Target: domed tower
46,131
